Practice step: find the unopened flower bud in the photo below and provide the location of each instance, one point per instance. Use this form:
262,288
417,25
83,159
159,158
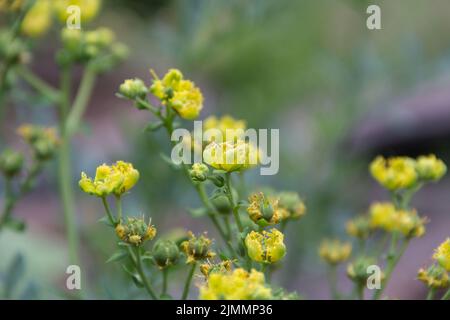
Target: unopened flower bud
133,89
165,253
199,172
11,162
197,248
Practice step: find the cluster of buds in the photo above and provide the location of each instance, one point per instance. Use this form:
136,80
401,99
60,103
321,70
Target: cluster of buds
133,89
11,163
222,267
263,210
135,231
237,285
399,173
116,179
165,253
199,172
291,205
13,50
97,47
437,275
197,248
357,270
359,227
334,251
265,246
42,140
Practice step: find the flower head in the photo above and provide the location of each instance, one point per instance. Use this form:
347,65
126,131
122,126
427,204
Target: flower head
165,253
38,19
359,227
181,95
434,277
357,270
231,156
44,141
222,267
238,285
335,251
133,88
291,205
199,172
265,246
262,210
88,8
11,162
394,173
225,128
442,254
135,231
430,168
197,248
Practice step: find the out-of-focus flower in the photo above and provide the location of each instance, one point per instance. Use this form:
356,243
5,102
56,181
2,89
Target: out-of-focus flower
291,205
181,95
335,251
394,173
238,285
231,156
434,277
10,5
135,231
223,129
357,270
197,248
442,254
38,19
359,227
222,267
133,89
165,253
199,172
11,162
88,9
262,210
386,217
265,246
430,168
43,140
117,179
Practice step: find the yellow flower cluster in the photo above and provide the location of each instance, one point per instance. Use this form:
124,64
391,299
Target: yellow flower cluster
43,140
197,248
442,254
359,227
262,210
135,231
386,217
434,277
118,179
239,285
38,19
231,156
181,95
225,128
404,173
265,246
335,251
222,267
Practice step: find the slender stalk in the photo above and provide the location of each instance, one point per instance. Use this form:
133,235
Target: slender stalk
9,203
187,284
332,279
431,293
40,85
231,200
108,211
140,271
119,208
360,291
165,273
446,296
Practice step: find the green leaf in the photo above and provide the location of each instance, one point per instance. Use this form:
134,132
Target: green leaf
223,257
199,212
116,256
166,296
217,193
217,171
153,126
14,273
242,204
137,281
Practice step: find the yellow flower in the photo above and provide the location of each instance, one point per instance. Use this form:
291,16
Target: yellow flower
384,216
265,246
394,173
430,168
197,248
262,210
228,128
222,267
117,179
135,231
238,285
442,254
38,19
335,251
359,227
434,277
89,9
181,95
231,156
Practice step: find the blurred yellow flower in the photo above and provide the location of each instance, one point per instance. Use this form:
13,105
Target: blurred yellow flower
335,251
291,205
430,168
394,173
231,156
228,128
442,254
38,19
238,285
359,227
88,9
434,277
43,140
265,246
181,95
10,5
135,231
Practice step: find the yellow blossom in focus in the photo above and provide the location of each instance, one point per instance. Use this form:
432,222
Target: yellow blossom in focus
430,168
38,19
434,277
238,285
231,156
442,254
88,9
129,174
181,95
335,251
265,246
135,231
228,128
262,210
394,173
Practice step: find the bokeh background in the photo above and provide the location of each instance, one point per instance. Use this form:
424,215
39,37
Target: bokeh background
338,92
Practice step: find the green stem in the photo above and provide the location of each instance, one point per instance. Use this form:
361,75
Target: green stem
119,208
332,279
187,284
140,271
431,293
165,273
446,296
40,85
108,212
9,203
231,200
360,291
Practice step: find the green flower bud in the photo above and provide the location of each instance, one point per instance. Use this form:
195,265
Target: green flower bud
357,270
133,89
11,162
197,248
165,253
199,172
222,204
